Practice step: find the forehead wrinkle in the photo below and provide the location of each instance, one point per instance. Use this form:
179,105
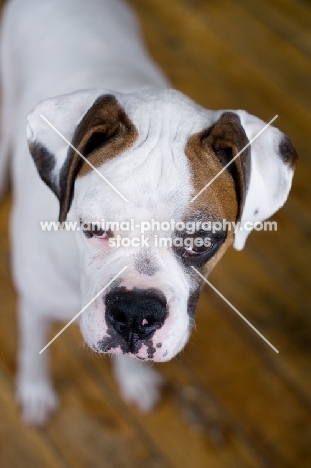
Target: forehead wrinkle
158,161
170,111
149,122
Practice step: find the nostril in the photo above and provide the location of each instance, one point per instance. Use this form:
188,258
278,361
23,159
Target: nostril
150,320
120,317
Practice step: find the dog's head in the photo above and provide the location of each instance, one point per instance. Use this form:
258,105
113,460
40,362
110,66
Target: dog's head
155,150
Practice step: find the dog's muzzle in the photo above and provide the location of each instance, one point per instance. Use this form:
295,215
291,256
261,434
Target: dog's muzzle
135,315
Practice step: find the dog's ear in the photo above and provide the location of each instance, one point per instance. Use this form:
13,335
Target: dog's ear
272,165
90,121
262,172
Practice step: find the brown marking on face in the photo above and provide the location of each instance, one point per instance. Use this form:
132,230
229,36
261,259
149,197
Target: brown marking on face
104,132
208,267
208,152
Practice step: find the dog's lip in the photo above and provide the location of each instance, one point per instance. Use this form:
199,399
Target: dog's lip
156,358
135,356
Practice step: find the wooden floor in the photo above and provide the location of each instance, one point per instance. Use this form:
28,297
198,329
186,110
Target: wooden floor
230,400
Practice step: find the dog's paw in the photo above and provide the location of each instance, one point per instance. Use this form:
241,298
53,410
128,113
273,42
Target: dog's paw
138,382
37,402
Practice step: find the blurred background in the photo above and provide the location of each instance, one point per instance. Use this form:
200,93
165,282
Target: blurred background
229,400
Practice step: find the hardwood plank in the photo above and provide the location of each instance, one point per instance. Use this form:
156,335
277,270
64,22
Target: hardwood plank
254,394
213,54
279,316
237,21
20,446
167,428
291,20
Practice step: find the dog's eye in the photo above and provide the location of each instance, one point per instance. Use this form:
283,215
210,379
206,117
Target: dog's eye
100,233
199,249
202,249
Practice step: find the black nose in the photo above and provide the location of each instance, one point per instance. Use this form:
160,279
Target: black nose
135,314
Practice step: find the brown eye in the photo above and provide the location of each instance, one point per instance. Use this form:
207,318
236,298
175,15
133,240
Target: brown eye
200,246
95,233
201,249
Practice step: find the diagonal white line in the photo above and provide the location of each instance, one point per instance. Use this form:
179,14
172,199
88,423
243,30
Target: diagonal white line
83,309
235,310
84,159
233,159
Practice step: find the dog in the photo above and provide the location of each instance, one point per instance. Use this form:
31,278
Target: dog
97,108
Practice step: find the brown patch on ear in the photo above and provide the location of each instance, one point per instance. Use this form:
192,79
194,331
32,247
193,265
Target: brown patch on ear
104,132
208,152
288,152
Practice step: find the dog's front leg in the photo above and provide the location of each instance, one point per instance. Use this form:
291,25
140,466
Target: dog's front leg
139,383
34,389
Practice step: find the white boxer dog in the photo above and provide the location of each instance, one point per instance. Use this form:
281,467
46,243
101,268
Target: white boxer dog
139,152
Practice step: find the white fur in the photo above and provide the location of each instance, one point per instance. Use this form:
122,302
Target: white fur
60,47
140,384
270,180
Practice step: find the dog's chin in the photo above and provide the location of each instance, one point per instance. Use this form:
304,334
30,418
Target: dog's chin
137,356
144,352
